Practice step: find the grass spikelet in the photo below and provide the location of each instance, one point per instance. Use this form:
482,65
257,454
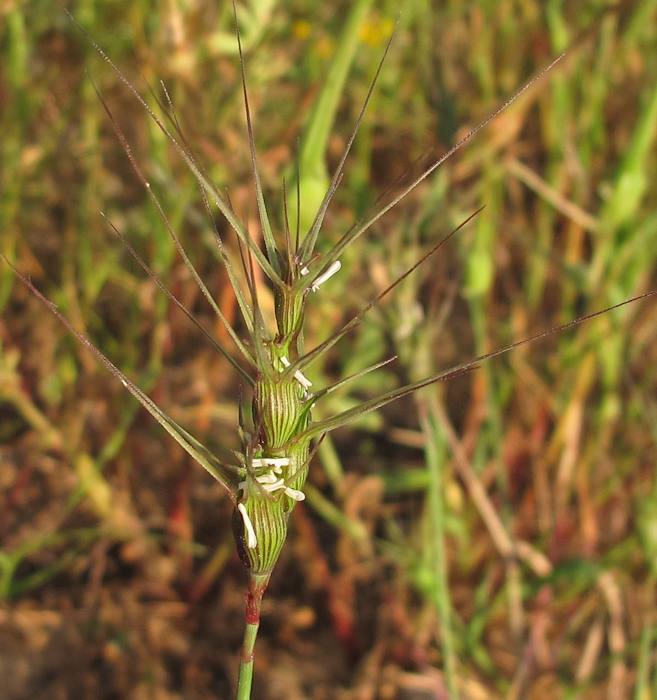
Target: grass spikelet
281,267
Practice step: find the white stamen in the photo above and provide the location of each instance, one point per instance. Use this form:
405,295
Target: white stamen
264,479
294,494
280,484
274,485
302,379
251,541
334,267
305,271
269,484
125,384
275,462
267,478
298,375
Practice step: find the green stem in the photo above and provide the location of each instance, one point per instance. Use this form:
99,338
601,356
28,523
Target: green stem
435,458
246,662
257,586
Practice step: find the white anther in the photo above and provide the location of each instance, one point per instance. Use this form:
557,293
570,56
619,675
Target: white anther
125,384
305,271
298,375
262,479
267,478
280,484
302,379
294,494
251,541
269,484
275,462
274,485
334,267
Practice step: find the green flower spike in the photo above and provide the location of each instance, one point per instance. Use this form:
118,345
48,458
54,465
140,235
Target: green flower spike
273,465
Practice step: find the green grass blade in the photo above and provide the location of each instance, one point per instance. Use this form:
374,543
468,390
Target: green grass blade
435,455
311,239
314,181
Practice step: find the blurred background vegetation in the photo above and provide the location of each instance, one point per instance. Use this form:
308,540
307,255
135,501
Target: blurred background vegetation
492,537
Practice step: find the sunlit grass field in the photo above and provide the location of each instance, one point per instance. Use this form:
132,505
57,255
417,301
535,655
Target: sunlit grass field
494,536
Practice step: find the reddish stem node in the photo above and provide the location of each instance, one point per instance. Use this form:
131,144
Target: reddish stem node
253,597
